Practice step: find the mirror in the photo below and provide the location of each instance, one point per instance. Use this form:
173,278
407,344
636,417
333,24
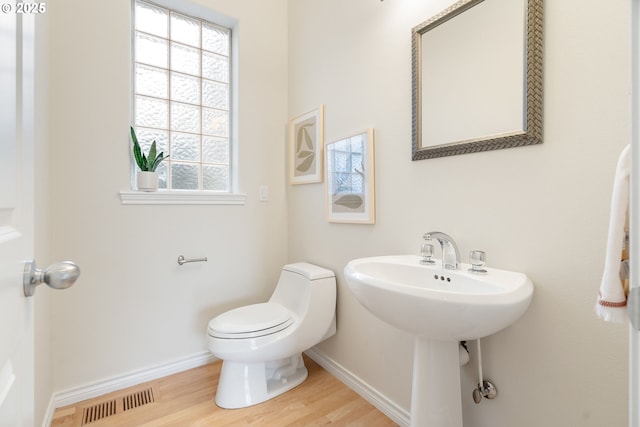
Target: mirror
477,78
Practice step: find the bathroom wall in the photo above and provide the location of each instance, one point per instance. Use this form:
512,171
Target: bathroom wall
542,210
133,307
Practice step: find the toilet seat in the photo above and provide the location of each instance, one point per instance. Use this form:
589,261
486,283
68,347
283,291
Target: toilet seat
250,321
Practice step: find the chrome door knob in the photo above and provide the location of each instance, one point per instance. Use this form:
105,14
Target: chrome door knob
59,275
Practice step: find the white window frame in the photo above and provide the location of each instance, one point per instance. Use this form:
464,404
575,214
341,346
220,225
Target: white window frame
163,196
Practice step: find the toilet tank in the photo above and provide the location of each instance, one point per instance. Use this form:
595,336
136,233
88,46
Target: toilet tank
309,271
301,282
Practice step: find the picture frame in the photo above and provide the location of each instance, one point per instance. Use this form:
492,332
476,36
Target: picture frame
350,179
306,143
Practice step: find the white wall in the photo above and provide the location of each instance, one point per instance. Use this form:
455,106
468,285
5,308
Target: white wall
133,306
542,210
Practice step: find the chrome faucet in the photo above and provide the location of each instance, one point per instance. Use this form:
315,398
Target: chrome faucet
450,255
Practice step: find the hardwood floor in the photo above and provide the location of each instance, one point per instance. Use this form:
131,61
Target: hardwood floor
186,400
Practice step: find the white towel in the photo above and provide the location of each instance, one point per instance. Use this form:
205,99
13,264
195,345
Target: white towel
612,298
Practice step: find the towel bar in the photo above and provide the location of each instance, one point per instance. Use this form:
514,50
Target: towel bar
183,260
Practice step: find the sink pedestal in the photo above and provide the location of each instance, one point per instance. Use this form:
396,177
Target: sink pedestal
436,396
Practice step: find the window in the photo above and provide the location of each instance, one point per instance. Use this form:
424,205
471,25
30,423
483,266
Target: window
182,96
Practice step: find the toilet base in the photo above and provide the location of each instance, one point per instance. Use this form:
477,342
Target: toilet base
245,384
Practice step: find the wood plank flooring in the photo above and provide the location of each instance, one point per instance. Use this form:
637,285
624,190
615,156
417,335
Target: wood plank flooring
186,400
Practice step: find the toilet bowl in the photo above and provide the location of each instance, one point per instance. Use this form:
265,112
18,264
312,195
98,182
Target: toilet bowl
261,345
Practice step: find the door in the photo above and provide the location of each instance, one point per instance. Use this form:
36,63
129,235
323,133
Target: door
16,218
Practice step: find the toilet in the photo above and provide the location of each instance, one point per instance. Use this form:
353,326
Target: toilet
261,345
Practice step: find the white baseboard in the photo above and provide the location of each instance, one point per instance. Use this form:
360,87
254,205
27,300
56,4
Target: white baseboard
119,382
48,416
370,394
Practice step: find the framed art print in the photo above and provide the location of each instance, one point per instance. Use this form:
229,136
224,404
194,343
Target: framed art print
306,138
350,189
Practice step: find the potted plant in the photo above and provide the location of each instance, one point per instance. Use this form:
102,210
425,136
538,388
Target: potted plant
147,177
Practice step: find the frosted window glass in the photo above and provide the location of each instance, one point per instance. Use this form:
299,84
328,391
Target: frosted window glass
162,175
151,50
151,19
185,88
185,118
185,30
151,81
215,122
146,136
215,39
182,96
215,67
185,146
215,178
151,112
215,95
215,150
185,59
184,176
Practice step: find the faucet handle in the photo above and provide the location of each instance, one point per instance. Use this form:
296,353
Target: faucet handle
426,250
477,260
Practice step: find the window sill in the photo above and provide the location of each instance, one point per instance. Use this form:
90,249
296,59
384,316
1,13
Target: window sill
164,197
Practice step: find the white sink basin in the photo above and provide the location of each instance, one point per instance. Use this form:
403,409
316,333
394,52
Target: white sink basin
429,301
440,307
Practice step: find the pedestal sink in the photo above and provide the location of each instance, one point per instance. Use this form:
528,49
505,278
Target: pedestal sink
440,307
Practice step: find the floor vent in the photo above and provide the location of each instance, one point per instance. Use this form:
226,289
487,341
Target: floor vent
115,406
98,412
137,399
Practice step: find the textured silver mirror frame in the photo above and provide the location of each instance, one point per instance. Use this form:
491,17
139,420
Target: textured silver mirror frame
534,87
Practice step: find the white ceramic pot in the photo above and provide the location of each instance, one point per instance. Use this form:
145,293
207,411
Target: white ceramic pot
147,181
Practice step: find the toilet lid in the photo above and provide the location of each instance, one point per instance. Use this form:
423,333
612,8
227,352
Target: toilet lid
251,321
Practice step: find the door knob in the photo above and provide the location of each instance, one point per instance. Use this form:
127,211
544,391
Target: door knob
59,275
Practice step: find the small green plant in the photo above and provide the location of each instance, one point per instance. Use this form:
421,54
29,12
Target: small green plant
150,162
